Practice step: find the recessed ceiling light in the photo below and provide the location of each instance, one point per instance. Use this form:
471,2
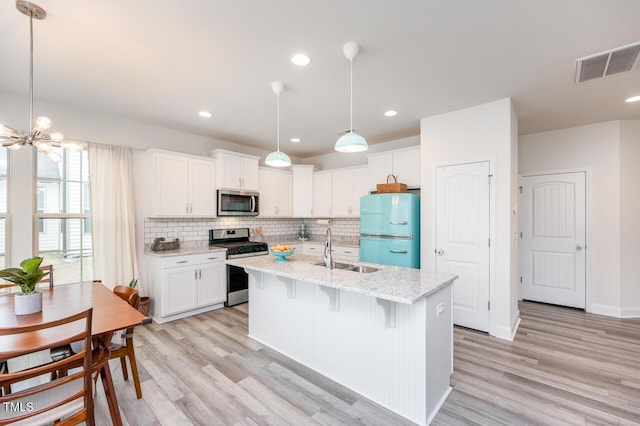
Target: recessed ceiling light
295,139
301,59
205,114
633,99
391,113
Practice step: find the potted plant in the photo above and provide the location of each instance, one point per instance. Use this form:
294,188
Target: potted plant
27,278
143,307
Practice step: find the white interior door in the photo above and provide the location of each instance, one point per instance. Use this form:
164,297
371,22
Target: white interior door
553,237
462,239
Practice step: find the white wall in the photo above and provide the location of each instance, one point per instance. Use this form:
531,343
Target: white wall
483,132
594,147
629,218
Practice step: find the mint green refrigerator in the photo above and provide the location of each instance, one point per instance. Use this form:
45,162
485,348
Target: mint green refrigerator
390,229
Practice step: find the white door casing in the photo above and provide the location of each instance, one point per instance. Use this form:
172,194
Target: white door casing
462,239
553,239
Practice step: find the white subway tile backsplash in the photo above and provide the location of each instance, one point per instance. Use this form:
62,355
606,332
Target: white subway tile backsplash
197,230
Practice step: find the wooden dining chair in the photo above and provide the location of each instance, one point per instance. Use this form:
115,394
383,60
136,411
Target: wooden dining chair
70,396
132,297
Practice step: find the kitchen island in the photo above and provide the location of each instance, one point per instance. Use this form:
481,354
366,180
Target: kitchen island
387,335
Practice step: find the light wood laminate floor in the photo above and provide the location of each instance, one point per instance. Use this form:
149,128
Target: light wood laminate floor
565,367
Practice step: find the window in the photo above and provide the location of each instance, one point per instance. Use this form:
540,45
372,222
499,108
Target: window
3,205
63,216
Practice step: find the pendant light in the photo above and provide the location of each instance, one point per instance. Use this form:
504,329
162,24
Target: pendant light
13,139
277,158
351,141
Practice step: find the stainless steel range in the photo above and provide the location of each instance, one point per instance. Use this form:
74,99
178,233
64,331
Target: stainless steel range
236,241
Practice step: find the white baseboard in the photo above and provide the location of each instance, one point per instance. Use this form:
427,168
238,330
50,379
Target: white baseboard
614,311
507,333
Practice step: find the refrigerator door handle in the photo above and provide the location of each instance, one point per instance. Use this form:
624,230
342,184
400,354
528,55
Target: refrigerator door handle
398,251
399,222
387,236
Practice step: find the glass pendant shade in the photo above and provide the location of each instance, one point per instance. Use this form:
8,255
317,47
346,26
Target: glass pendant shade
351,142
277,159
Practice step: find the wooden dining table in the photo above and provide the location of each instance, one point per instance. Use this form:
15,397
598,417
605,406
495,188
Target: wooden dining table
110,314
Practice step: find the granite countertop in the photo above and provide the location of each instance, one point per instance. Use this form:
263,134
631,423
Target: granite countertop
183,251
403,285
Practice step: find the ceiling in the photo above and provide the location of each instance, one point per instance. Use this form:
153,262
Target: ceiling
162,62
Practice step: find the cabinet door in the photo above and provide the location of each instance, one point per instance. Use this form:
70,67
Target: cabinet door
249,176
171,178
202,188
283,190
267,189
380,166
341,193
230,172
406,166
212,283
302,191
180,290
322,194
358,189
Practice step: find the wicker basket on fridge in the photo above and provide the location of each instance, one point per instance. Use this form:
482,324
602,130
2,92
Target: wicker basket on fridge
394,186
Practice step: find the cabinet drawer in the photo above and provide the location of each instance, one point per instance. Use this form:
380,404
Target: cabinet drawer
193,259
346,251
312,249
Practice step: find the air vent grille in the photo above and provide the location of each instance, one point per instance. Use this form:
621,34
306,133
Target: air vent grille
604,64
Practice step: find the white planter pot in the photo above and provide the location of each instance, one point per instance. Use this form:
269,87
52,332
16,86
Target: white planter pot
26,304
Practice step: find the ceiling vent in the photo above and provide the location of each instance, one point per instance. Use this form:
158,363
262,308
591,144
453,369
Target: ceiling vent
608,63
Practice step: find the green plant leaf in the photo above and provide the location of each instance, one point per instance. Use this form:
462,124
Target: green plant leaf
31,265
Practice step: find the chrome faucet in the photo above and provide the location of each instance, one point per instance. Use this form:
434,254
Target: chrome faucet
326,256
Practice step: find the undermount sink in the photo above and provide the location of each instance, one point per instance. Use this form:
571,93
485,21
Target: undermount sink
336,265
350,267
363,269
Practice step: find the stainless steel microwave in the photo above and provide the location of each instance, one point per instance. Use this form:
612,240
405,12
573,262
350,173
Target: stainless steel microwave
238,203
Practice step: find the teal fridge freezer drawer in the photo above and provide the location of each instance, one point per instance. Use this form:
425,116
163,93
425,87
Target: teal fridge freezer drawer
396,252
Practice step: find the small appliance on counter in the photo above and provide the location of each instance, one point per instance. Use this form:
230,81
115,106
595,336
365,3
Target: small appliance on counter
303,234
236,241
390,229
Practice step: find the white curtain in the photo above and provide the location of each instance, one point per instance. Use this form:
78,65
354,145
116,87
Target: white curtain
112,214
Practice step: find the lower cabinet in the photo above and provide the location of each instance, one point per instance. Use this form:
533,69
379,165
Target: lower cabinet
187,285
343,253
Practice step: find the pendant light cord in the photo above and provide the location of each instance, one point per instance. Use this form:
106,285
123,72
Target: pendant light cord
31,71
278,123
351,95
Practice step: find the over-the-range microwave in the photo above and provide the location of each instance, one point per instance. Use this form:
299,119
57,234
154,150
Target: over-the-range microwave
238,203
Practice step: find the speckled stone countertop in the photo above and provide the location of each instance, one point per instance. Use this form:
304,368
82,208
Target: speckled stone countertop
187,250
403,285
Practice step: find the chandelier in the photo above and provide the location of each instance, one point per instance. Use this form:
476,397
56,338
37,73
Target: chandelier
45,142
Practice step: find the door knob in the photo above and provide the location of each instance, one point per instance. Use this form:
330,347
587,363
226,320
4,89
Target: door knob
579,247
439,252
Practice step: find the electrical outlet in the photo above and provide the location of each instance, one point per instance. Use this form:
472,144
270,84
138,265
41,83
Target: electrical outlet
439,309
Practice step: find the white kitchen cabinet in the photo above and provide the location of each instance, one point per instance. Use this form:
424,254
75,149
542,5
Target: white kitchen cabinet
345,253
312,249
403,163
348,186
182,185
302,190
275,189
322,189
235,170
181,286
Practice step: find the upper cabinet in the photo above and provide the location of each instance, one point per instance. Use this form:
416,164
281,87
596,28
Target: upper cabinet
235,170
275,193
403,163
322,194
302,190
348,185
182,185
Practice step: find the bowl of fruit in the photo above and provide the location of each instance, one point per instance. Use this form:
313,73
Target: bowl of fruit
281,252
